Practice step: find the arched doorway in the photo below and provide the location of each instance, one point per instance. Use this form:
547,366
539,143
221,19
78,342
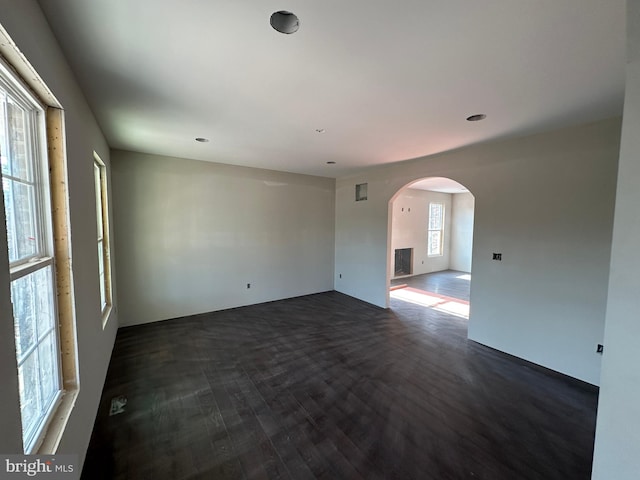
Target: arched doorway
429,252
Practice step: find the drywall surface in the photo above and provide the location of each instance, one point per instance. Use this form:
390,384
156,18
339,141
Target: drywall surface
191,235
462,208
617,445
27,26
410,229
545,301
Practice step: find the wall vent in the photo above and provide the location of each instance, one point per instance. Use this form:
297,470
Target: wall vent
361,192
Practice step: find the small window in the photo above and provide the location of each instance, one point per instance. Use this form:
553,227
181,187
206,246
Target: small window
436,230
102,220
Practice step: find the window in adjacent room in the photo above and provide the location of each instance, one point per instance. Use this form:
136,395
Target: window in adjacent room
436,229
25,185
102,216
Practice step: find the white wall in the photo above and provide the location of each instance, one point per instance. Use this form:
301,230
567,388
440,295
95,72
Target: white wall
463,205
191,235
410,226
617,445
27,26
545,301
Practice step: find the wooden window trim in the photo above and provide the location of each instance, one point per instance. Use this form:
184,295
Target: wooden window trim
11,55
106,239
64,279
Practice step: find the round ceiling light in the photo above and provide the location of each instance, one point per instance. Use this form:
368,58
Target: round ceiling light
202,140
285,22
477,117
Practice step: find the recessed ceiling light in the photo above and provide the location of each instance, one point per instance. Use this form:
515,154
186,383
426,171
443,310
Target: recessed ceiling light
202,140
477,117
331,162
285,22
320,130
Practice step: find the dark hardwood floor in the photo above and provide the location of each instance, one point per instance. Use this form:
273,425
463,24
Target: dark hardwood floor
325,386
449,282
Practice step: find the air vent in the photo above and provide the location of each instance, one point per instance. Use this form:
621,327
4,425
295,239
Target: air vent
361,192
117,405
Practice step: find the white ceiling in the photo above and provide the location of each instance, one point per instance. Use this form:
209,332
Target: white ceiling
439,184
388,81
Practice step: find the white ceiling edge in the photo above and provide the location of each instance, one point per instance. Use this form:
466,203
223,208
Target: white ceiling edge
439,184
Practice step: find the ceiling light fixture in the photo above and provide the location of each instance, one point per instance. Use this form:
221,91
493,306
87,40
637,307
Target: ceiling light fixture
476,118
285,22
202,140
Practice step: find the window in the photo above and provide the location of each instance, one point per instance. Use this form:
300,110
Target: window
102,216
436,230
25,186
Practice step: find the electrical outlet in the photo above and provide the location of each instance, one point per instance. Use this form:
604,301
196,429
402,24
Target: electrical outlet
600,348
248,285
497,256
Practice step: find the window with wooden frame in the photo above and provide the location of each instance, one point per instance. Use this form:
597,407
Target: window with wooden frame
27,206
102,219
36,212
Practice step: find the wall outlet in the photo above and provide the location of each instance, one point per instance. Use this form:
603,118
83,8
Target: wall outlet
600,348
497,256
248,285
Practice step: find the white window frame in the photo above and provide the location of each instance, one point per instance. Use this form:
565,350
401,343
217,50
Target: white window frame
103,239
43,257
431,229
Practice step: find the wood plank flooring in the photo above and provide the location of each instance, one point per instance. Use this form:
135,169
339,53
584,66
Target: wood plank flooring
449,282
328,387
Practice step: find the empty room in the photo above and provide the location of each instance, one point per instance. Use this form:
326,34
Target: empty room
355,240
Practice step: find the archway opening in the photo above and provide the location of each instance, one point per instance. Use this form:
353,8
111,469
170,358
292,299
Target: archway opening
430,246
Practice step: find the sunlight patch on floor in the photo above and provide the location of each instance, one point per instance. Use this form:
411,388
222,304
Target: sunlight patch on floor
441,303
